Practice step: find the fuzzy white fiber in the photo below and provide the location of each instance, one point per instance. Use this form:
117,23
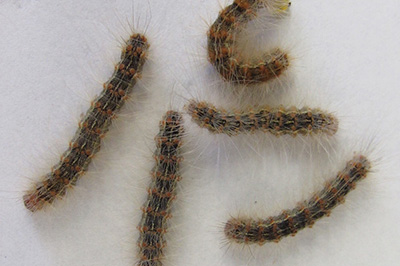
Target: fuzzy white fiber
54,57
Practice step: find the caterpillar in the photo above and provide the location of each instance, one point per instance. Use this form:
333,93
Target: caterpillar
222,52
92,128
249,231
278,121
161,193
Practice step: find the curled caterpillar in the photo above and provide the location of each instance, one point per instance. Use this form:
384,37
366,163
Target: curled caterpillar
161,193
278,121
92,128
249,231
222,52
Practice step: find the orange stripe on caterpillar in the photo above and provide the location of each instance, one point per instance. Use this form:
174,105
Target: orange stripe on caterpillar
161,193
92,128
223,54
278,121
289,222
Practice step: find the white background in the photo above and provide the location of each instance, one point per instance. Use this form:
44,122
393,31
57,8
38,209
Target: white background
54,56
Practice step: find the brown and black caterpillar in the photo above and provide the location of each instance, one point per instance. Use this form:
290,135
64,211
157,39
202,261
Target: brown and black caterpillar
161,193
92,128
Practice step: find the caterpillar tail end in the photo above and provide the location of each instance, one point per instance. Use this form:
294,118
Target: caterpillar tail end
333,126
32,202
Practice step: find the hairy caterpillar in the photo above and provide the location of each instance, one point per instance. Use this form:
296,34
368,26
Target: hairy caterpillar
289,222
222,52
92,128
278,121
161,193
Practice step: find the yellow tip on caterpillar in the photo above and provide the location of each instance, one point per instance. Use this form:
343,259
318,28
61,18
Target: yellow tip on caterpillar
281,6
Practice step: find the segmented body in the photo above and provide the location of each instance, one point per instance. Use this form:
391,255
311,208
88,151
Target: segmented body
278,121
92,128
289,222
222,50
162,190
